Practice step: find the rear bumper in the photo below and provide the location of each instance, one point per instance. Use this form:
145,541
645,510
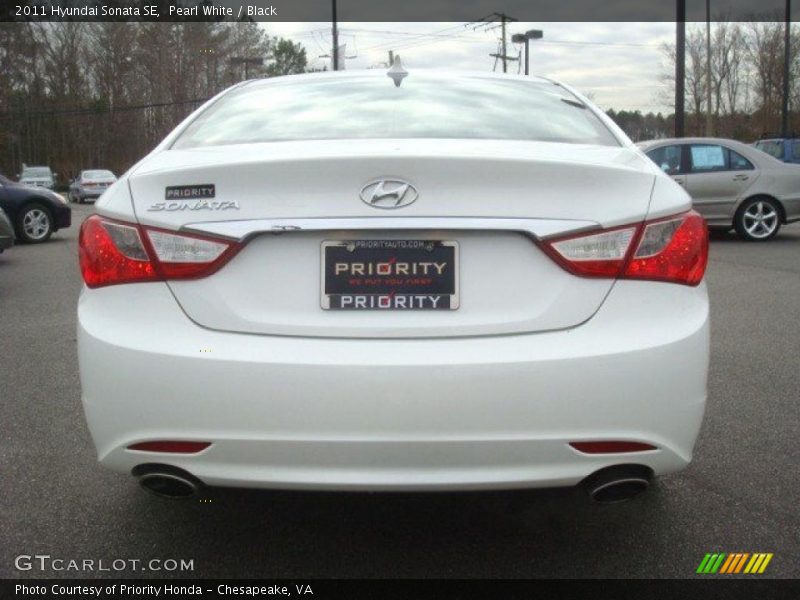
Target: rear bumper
466,413
87,193
6,241
792,208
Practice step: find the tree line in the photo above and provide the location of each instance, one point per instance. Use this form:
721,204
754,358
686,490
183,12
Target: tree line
81,95
746,78
100,95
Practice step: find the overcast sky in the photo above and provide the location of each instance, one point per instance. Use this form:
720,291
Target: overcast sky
620,65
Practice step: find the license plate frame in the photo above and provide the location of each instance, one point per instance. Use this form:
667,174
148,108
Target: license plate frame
422,275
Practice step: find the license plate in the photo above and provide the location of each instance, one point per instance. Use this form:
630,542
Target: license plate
389,275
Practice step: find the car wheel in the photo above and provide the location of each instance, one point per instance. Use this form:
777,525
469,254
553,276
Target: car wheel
34,224
758,219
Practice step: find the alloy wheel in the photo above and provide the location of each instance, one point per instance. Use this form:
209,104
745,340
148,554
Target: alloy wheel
36,224
760,220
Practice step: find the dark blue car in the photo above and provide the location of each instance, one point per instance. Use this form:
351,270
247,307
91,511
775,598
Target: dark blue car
35,212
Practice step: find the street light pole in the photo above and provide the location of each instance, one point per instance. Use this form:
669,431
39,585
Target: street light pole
680,66
787,56
709,120
527,55
532,34
335,36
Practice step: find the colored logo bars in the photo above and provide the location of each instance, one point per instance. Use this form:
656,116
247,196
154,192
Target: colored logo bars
735,562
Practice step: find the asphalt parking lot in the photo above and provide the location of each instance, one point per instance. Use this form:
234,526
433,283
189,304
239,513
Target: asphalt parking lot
740,494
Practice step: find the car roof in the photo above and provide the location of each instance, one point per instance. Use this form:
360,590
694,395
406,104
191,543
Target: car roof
367,73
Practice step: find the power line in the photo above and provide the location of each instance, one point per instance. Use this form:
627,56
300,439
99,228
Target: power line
486,23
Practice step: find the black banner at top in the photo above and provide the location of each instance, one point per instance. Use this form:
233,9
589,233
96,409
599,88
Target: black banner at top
387,11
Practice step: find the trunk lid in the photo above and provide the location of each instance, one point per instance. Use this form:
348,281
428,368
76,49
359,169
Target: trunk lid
507,284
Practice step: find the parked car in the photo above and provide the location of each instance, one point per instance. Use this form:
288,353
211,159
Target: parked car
732,185
38,177
35,212
447,281
90,184
6,232
784,149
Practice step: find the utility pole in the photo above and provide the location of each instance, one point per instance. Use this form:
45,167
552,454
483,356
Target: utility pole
709,120
680,66
787,56
335,35
503,19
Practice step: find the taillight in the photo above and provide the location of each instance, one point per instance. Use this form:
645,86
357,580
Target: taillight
113,252
671,250
674,249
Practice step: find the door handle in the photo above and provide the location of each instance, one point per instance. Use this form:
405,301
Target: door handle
741,177
679,180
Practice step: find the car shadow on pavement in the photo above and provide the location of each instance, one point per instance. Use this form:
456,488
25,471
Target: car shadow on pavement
232,532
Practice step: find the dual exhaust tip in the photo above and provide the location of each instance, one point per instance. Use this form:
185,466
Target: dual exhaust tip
606,486
167,481
618,483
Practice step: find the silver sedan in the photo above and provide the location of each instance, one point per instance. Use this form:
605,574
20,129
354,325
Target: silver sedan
731,184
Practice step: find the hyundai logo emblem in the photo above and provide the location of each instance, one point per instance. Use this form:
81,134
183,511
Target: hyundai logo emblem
389,193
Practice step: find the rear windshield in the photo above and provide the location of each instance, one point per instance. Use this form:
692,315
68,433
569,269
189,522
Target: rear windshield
372,107
98,175
36,172
773,148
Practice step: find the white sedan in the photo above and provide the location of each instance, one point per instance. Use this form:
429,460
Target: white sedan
426,281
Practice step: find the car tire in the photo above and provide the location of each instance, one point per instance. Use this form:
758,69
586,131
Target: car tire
34,224
758,219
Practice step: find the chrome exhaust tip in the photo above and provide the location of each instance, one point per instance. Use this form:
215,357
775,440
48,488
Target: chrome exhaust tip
167,481
618,483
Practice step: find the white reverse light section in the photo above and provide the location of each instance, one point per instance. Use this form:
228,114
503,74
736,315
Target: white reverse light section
611,245
656,237
171,248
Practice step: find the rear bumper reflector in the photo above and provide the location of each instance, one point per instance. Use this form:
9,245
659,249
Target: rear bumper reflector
170,446
611,447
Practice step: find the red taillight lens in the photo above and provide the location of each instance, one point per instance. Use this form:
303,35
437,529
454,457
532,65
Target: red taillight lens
611,447
112,252
673,249
170,446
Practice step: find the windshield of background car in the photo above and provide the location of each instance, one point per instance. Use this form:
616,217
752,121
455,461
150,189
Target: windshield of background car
36,172
772,148
370,107
98,175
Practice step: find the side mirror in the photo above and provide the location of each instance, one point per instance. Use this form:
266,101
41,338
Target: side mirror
665,168
55,175
17,175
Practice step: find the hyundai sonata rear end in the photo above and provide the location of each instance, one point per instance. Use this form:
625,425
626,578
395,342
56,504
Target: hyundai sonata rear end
427,281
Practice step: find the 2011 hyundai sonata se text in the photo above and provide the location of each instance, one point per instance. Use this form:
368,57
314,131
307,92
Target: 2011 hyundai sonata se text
425,281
